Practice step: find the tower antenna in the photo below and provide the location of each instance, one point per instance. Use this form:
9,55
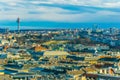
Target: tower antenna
18,21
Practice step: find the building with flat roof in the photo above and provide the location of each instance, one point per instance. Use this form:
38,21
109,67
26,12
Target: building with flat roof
55,53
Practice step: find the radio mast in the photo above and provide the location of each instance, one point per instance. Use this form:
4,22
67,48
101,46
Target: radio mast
18,21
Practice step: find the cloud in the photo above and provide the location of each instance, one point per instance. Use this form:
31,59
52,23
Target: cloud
61,11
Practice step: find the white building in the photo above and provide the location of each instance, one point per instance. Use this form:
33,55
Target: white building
55,53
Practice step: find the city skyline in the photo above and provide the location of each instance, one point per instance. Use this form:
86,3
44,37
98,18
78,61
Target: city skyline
59,40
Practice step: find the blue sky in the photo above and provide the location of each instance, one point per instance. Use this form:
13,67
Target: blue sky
67,11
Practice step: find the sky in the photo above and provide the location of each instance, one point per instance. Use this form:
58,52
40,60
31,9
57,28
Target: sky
60,11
